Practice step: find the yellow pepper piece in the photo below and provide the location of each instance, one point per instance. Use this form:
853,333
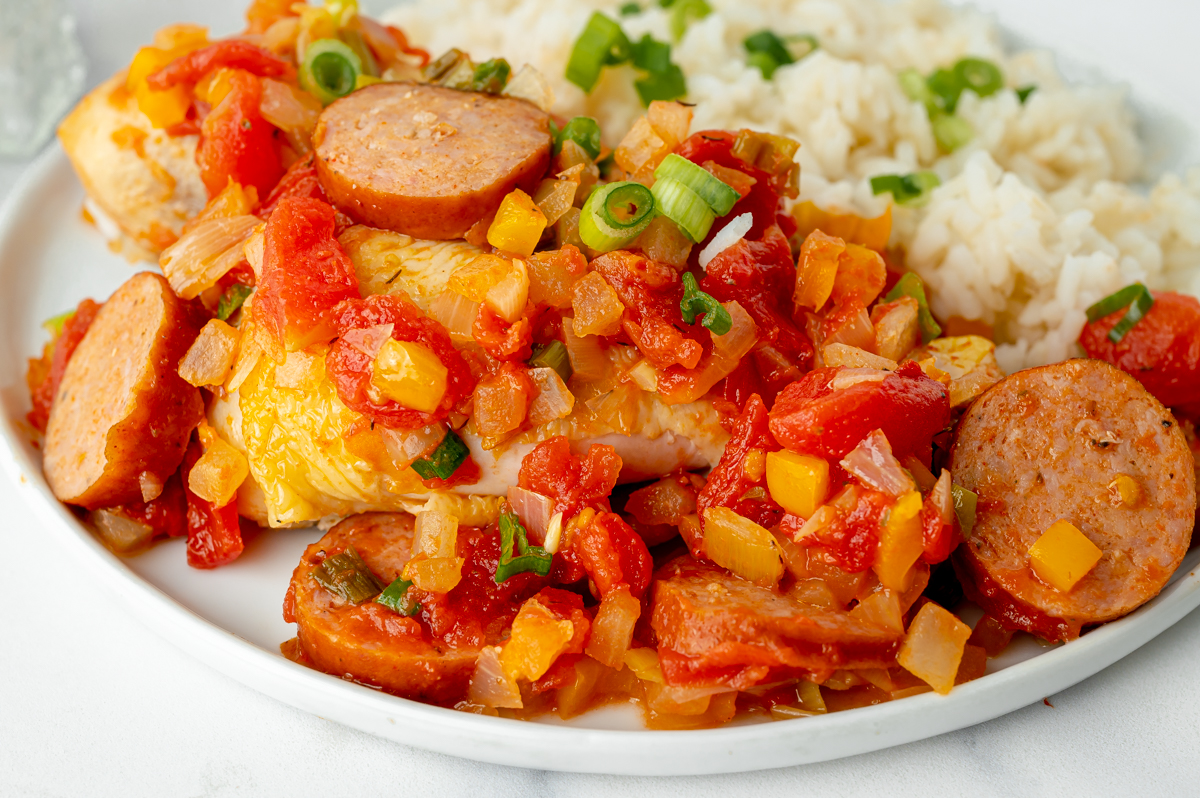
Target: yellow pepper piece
434,574
644,664
1063,555
742,546
410,374
162,108
798,483
518,225
537,639
214,86
901,543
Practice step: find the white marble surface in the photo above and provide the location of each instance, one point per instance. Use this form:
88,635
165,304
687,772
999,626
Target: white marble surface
93,704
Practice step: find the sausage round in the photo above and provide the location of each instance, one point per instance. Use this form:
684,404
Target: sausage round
369,642
123,415
1046,444
426,160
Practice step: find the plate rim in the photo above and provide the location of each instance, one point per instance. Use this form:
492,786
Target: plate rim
522,743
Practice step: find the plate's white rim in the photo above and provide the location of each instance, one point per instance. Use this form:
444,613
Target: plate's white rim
565,748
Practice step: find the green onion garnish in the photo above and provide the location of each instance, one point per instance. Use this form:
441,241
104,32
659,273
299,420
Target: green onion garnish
651,55
529,558
964,508
667,85
683,12
696,302
1139,300
330,70
910,189
915,86
629,9
767,52
234,297
684,207
443,461
490,76
615,214
441,66
56,324
356,42
601,43
720,196
346,575
951,132
396,598
946,87
584,131
982,77
1024,92
911,285
553,356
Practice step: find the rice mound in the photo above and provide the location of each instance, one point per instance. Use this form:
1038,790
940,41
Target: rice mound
1035,219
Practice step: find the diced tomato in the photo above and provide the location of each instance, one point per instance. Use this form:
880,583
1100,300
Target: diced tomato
1162,350
567,606
501,340
811,417
852,540
981,589
466,474
940,538
305,275
236,143
612,554
214,534
762,201
651,293
478,611
231,53
167,514
300,180
572,482
350,367
728,483
42,391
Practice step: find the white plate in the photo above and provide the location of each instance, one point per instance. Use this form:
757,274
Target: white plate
231,618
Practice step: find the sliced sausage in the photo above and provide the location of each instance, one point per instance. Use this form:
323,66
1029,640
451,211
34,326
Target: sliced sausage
426,160
369,642
714,627
1047,444
122,410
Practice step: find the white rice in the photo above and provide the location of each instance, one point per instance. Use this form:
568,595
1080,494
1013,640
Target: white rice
1035,219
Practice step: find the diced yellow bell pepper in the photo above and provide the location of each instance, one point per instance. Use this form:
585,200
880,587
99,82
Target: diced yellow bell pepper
162,108
410,374
901,542
1125,490
214,86
1063,555
479,275
742,546
219,472
537,639
644,663
434,574
518,225
798,483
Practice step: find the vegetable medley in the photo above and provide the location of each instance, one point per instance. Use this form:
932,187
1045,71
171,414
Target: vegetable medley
583,425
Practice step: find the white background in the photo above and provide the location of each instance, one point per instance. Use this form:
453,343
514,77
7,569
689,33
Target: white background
93,704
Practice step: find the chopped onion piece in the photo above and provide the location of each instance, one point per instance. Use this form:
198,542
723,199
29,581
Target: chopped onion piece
588,361
508,297
556,197
435,534
405,447
554,399
205,253
210,358
119,533
851,356
729,235
643,376
456,313
612,629
490,685
535,511
292,111
942,498
554,533
876,467
369,340
849,377
529,84
824,517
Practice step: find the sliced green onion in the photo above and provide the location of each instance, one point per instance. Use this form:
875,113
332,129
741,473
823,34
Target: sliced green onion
770,45
528,558
491,76
584,131
346,575
629,9
683,12
56,324
684,207
951,132
1139,300
980,76
801,45
946,87
395,597
915,87
651,55
615,214
764,63
441,66
234,297
602,43
696,302
355,41
668,85
330,70
1024,92
964,507
443,461
910,189
911,285
720,196
552,356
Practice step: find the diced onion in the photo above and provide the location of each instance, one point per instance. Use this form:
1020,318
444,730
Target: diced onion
405,447
435,534
876,467
508,297
729,235
643,376
490,685
456,313
612,629
205,253
529,84
554,399
534,510
849,377
286,109
219,472
369,340
554,533
554,198
836,354
119,533
211,356
588,361
942,498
